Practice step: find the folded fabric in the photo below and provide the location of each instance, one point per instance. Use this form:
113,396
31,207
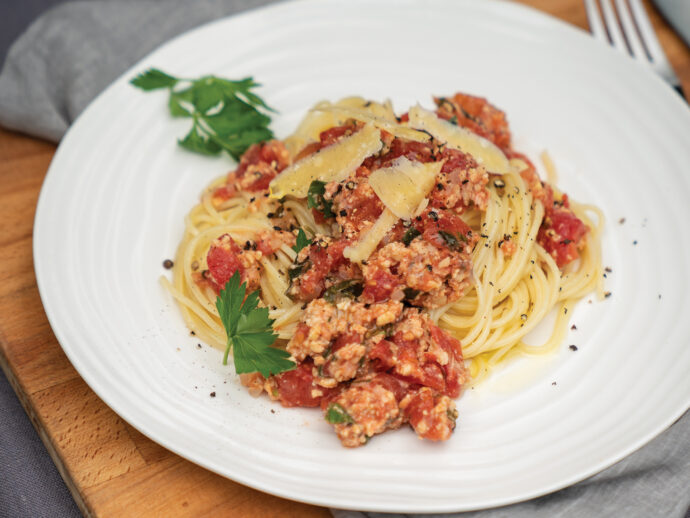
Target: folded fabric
70,54
31,484
73,52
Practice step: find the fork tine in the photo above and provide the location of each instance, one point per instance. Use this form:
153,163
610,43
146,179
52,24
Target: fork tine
640,39
636,47
594,19
656,53
612,26
647,32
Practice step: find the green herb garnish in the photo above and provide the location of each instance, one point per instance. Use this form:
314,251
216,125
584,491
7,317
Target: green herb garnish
411,293
302,241
453,240
351,288
410,235
297,270
336,414
225,114
250,331
316,200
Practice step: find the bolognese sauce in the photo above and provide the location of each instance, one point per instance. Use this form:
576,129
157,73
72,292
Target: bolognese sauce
367,351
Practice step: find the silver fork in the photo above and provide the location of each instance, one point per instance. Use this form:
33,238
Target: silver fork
631,32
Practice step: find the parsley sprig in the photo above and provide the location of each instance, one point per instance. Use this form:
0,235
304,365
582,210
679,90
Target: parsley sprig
250,331
453,240
316,199
226,115
301,241
336,414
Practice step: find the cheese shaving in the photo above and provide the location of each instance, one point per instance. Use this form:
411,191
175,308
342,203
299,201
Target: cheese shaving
370,239
333,163
402,186
484,151
323,116
365,115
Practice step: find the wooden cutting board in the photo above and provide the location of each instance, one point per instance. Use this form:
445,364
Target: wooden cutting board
110,468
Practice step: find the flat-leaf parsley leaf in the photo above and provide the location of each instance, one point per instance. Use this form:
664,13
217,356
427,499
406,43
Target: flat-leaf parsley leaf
250,331
336,414
316,199
225,114
301,241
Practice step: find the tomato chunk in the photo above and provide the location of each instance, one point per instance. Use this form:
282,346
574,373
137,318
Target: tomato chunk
454,371
432,360
432,223
297,387
477,115
325,258
258,166
562,234
413,151
262,162
380,285
330,136
223,261
432,415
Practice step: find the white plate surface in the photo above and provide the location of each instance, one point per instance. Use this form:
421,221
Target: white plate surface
114,200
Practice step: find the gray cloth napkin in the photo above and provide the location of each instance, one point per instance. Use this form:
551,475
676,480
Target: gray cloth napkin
30,484
67,56
70,54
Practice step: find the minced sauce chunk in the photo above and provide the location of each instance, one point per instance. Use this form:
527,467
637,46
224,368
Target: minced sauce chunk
367,352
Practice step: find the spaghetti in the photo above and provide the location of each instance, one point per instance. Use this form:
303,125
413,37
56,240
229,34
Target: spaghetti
427,231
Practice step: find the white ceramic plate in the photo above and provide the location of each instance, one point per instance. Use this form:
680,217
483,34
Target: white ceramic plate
112,210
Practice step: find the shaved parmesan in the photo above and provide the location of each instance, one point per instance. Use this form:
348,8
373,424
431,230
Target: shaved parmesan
323,116
370,239
484,151
404,185
332,163
310,128
383,111
519,164
402,188
366,115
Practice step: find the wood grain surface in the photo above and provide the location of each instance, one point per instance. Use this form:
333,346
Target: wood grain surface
110,468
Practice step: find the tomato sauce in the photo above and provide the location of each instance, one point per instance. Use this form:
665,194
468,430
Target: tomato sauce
562,233
367,351
324,259
477,115
297,387
329,137
258,166
223,261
